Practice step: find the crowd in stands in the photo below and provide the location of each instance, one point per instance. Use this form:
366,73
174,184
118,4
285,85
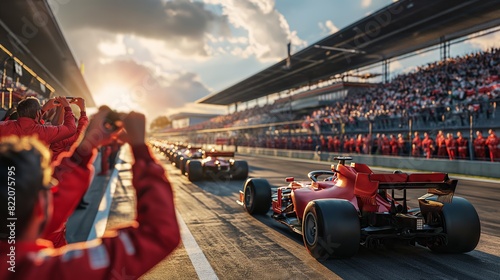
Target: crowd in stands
440,94
451,146
443,93
46,158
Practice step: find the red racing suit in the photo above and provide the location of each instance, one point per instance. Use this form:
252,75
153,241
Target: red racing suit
74,174
125,253
46,133
416,145
427,146
480,148
441,144
359,146
336,145
493,143
386,146
451,147
330,144
394,146
462,147
65,145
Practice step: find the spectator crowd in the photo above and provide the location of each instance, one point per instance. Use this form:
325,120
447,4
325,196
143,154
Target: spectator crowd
440,95
451,146
443,93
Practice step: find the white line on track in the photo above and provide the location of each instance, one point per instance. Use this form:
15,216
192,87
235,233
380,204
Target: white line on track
198,259
102,215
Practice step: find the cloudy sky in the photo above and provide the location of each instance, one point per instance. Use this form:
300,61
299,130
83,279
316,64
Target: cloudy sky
159,56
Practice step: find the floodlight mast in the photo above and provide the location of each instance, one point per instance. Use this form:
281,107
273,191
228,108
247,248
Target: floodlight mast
339,49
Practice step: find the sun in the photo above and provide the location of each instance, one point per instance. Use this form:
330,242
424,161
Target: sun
116,96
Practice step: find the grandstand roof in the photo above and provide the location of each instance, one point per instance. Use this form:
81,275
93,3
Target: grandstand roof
30,31
400,28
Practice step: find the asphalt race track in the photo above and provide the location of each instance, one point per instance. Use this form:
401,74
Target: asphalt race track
222,241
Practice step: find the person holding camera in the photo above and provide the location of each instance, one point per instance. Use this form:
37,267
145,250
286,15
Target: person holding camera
64,145
30,113
42,205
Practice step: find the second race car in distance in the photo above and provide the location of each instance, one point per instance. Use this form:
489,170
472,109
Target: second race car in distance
216,164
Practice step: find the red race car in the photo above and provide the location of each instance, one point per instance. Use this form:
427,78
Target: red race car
354,206
216,164
184,155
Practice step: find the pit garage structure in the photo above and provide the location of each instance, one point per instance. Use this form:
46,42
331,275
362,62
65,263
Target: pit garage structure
31,38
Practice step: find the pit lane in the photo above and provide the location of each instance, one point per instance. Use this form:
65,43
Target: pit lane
239,246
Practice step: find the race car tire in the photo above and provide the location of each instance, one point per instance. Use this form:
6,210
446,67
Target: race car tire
183,163
194,170
239,170
178,161
257,196
462,226
331,228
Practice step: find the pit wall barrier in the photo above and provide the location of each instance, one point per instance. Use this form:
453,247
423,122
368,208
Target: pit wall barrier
463,167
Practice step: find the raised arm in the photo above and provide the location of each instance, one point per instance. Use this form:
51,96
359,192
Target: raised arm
75,170
51,134
131,251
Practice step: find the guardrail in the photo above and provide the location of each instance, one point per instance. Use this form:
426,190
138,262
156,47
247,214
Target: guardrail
465,167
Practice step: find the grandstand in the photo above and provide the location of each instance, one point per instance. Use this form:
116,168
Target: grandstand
401,28
309,97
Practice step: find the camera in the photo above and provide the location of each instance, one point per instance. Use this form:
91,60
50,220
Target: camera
113,122
69,98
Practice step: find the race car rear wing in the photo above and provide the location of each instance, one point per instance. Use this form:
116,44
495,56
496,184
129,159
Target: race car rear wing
219,154
401,181
367,185
444,190
413,181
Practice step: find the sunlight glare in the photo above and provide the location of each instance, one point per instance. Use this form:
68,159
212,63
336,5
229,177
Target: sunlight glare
115,96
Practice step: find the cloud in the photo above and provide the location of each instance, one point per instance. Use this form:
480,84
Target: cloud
183,28
395,66
486,41
116,48
328,27
127,85
267,30
116,78
136,52
366,3
181,24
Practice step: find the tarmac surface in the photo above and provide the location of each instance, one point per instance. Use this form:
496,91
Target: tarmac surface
222,241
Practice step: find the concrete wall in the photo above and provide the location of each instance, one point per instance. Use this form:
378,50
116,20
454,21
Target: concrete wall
476,168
